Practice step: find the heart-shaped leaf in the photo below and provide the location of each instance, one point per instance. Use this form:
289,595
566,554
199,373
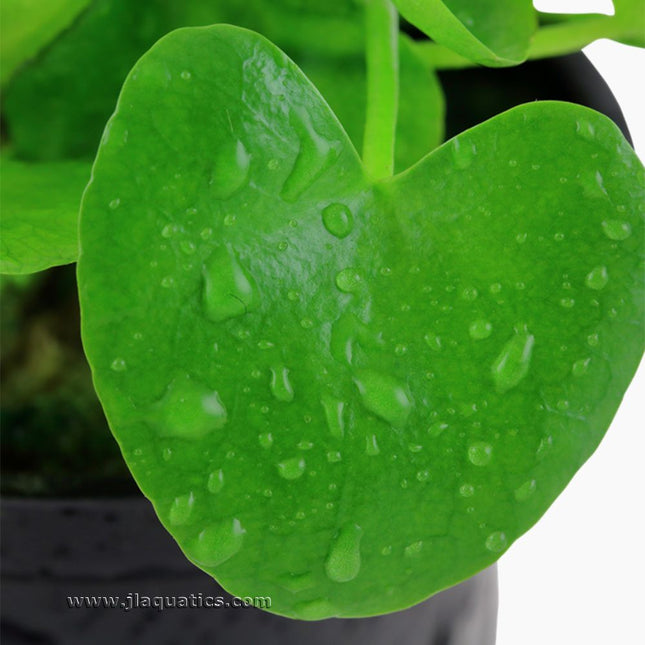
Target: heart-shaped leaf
39,205
496,33
343,395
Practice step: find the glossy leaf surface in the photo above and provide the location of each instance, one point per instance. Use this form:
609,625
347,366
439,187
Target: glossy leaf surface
39,205
496,33
350,396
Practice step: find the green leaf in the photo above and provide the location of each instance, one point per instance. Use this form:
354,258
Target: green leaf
39,205
496,33
350,396
630,14
112,34
420,123
26,26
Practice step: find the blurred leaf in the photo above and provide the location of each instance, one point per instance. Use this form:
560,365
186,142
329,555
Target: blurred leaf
39,205
28,25
496,33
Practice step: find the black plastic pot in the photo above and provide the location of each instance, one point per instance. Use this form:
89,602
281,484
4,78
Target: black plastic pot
54,549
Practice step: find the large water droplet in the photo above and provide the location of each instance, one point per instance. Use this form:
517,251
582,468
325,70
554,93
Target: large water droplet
315,154
228,290
295,583
230,169
480,453
315,609
118,365
188,410
597,278
347,330
338,220
462,153
349,280
334,415
217,543
215,481
181,509
292,468
344,559
616,229
371,446
281,387
523,492
512,364
580,367
480,329
384,396
496,542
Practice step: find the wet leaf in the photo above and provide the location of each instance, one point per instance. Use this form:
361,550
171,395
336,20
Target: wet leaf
343,395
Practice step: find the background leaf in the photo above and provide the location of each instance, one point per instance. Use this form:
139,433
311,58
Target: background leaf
341,395
39,205
491,32
28,25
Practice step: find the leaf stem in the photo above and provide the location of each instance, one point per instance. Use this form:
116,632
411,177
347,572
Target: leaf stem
382,56
560,35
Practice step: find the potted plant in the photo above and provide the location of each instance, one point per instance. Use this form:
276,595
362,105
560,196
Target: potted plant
341,386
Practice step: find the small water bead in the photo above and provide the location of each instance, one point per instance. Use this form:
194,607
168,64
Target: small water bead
480,329
283,246
334,456
586,130
437,429
580,367
423,475
386,550
385,271
230,219
281,387
597,278
230,169
306,323
567,303
562,405
469,294
338,220
168,282
558,237
118,365
292,468
181,509
480,453
215,481
415,447
496,542
513,163
166,454
185,75
217,543
462,153
466,490
400,349
315,609
295,583
593,339
384,396
371,446
267,492
433,341
305,445
520,238
206,233
544,447
496,287
187,247
293,295
273,164
349,280
334,415
114,204
413,549
526,490
616,229
265,439
512,364
343,561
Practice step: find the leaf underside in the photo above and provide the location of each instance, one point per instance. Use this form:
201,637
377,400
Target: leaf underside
343,395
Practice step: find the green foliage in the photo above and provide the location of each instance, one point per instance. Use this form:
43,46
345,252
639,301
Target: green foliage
39,205
491,32
342,394
26,26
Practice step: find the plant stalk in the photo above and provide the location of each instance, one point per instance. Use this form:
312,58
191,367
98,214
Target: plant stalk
382,57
